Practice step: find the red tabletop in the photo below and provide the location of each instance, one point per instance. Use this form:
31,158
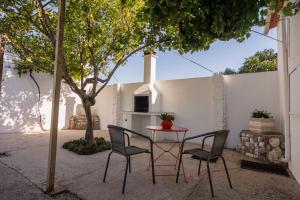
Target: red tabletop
173,129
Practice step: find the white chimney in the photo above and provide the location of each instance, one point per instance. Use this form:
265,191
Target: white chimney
148,88
149,68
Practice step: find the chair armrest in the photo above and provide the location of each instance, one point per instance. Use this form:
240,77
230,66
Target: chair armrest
203,141
136,133
128,140
206,135
198,136
143,136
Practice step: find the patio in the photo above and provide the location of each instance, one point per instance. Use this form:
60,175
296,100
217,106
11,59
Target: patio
82,175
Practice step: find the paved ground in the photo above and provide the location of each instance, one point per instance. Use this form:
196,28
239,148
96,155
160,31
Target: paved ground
15,186
25,170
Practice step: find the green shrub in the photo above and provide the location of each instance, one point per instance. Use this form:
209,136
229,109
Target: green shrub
82,147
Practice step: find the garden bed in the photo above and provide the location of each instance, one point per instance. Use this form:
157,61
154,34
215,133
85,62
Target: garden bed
82,147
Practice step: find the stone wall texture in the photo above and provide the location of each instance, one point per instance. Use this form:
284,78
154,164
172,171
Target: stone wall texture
263,146
79,122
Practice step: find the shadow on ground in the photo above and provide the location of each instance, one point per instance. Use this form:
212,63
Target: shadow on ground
82,175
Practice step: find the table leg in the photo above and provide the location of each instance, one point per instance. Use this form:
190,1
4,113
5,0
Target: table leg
182,165
177,143
152,138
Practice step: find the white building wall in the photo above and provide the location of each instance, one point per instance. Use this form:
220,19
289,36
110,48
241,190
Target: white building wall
191,101
204,104
246,92
293,42
198,103
104,106
19,100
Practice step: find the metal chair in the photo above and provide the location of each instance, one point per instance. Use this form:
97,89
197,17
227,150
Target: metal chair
118,145
208,156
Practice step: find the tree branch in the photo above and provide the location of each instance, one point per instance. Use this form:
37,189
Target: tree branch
123,60
92,53
46,20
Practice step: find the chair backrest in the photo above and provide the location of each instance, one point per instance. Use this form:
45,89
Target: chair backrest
219,142
117,138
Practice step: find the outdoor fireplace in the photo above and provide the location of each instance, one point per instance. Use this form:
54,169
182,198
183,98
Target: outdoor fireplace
141,103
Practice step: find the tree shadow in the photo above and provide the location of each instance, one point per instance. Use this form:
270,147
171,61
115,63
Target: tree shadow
19,104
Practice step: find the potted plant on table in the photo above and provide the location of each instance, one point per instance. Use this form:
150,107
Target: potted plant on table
167,120
261,121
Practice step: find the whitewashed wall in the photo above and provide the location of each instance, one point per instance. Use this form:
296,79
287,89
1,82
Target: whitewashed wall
293,42
18,103
104,106
246,92
192,101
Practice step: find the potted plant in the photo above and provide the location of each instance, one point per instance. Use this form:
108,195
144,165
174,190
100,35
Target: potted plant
261,121
167,119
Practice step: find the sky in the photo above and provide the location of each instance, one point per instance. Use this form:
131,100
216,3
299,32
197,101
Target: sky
219,56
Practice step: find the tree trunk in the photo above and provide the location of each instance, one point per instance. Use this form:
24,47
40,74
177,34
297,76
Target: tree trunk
89,134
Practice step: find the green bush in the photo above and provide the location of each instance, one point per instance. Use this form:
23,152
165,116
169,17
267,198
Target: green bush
82,147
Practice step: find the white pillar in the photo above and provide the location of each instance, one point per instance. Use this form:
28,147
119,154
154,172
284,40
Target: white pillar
219,120
116,105
149,68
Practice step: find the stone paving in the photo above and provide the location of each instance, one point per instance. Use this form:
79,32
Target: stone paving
24,172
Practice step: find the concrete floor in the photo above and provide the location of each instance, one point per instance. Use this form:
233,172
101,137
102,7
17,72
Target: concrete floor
82,175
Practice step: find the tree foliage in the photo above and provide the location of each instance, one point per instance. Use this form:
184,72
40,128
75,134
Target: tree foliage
261,61
229,71
194,25
100,35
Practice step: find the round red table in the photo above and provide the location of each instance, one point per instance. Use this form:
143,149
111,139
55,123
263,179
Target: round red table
178,130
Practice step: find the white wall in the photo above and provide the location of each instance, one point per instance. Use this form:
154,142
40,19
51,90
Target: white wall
104,106
18,103
192,101
294,77
246,92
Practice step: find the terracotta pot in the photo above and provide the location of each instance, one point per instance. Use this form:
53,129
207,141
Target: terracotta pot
166,124
260,125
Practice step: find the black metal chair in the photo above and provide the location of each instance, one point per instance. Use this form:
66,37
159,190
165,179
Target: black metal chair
118,145
209,156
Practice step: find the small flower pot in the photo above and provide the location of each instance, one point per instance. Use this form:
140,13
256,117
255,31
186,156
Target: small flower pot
166,124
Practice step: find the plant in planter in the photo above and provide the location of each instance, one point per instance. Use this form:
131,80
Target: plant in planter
261,121
167,119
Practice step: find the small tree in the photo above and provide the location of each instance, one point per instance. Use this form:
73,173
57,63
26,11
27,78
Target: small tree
261,61
100,35
229,71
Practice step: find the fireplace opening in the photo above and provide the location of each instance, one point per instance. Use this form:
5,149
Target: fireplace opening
141,103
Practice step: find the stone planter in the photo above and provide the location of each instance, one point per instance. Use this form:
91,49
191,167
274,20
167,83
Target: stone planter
260,125
267,146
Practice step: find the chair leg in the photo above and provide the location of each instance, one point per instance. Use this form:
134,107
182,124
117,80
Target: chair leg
152,165
129,161
179,164
106,166
209,177
199,167
228,177
125,177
